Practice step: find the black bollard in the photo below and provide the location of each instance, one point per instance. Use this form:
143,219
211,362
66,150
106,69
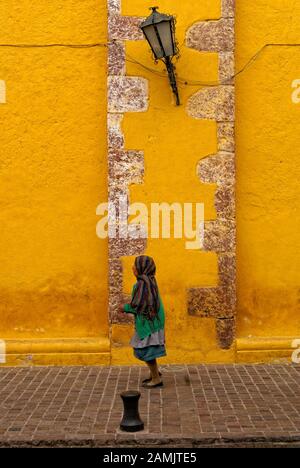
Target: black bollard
131,421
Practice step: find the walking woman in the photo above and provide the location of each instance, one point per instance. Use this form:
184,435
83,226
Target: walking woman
148,341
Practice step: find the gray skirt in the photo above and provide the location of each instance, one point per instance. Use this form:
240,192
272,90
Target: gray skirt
155,339
151,347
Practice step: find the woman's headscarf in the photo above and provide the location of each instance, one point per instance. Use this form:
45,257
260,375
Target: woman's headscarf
145,297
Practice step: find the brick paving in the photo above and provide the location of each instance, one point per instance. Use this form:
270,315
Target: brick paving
198,406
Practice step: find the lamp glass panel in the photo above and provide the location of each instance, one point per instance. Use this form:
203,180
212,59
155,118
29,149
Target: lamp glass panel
166,37
150,33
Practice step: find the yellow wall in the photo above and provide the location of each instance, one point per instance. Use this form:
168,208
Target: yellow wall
53,275
268,173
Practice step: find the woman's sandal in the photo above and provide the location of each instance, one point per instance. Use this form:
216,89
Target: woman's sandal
160,384
149,380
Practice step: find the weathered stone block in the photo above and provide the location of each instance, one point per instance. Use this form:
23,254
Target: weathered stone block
220,236
212,36
228,8
225,328
126,167
116,58
126,247
115,134
124,28
218,168
226,140
227,270
127,94
225,202
215,103
114,6
226,67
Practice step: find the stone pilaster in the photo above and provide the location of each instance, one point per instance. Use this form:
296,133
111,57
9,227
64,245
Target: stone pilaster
218,103
125,94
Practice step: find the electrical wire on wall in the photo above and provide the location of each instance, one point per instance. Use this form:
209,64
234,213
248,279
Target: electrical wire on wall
184,81
219,82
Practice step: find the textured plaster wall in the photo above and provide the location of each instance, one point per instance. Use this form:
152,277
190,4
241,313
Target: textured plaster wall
53,275
60,157
267,130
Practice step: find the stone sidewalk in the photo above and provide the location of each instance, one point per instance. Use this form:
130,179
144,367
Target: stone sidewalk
198,406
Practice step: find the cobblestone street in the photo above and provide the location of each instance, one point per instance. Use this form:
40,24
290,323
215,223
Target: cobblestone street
198,406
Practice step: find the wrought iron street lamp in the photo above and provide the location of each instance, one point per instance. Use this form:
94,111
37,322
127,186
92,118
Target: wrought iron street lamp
159,30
